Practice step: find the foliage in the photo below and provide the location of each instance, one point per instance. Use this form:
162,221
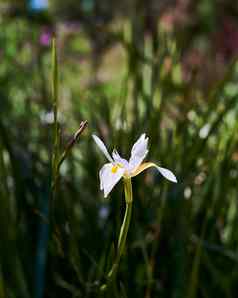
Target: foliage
182,239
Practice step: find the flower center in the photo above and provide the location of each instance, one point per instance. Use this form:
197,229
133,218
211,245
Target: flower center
116,167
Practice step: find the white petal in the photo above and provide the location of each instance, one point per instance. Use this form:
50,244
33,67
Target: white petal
167,174
102,147
138,153
102,173
108,178
118,159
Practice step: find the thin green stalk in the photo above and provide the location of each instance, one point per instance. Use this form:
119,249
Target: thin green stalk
55,80
123,234
58,159
56,134
55,153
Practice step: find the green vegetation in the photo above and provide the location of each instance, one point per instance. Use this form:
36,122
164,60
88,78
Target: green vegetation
58,235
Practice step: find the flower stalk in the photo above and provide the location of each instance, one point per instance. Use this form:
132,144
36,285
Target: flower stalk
123,233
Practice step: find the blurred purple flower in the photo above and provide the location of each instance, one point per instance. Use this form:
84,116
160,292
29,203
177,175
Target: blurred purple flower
45,37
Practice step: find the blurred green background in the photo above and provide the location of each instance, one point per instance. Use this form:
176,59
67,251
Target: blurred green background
167,68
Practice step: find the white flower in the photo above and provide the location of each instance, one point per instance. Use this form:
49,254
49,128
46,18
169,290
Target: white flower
119,167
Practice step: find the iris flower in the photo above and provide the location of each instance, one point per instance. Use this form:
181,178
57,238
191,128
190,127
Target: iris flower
118,167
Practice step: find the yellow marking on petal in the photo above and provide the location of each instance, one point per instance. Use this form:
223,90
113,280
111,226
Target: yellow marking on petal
163,171
142,167
114,169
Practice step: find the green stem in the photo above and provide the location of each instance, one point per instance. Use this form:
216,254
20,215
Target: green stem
127,218
123,234
56,134
55,153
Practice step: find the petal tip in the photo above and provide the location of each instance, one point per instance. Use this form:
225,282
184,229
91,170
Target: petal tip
95,138
167,174
105,194
174,180
102,147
